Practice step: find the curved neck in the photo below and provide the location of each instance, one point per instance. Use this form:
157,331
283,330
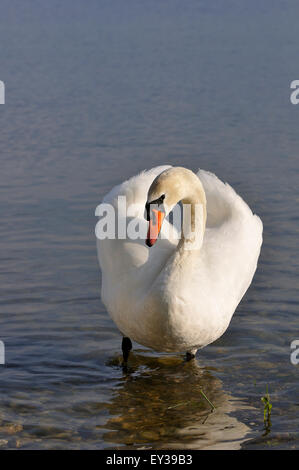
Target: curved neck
185,257
193,219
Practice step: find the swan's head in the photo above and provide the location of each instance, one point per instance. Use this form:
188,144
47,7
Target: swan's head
171,186
155,213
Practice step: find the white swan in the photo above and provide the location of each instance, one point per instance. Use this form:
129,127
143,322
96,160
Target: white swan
179,295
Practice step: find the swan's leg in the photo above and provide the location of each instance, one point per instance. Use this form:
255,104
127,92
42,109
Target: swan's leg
190,354
126,347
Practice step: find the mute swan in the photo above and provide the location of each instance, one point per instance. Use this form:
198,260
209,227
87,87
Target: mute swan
178,295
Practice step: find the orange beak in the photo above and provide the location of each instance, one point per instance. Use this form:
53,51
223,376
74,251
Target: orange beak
155,224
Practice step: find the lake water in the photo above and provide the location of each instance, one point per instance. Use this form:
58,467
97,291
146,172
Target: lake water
96,92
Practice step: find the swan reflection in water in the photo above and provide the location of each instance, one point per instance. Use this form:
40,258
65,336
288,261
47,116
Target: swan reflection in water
159,404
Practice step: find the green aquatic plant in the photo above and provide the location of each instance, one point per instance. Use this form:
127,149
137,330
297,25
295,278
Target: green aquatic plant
267,408
206,398
193,402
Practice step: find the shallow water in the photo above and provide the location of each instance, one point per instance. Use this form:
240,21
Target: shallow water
94,95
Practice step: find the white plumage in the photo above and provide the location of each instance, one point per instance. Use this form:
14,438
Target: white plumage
169,298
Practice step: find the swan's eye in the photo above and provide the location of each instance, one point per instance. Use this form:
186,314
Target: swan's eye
160,200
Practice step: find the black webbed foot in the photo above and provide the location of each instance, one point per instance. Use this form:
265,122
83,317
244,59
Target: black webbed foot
126,348
189,356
